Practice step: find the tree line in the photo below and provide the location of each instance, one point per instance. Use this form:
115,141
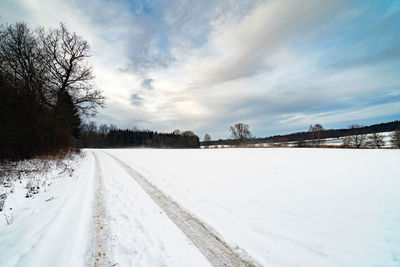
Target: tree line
240,136
335,133
354,136
109,136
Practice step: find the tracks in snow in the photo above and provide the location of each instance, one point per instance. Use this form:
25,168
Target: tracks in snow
100,250
213,248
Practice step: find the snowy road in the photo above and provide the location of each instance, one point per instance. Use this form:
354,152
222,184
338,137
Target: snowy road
137,231
100,232
209,243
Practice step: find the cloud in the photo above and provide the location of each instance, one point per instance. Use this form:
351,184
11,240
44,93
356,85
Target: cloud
147,84
136,100
244,49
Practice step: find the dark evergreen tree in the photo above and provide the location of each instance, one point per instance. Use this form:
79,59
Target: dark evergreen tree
67,121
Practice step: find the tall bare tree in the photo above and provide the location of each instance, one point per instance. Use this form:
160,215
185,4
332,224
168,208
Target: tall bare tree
22,60
316,134
206,140
240,132
358,138
67,68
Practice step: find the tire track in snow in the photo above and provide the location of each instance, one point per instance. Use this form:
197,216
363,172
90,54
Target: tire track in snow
100,250
209,243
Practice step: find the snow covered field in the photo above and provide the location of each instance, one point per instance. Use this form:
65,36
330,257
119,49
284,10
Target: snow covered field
288,207
278,207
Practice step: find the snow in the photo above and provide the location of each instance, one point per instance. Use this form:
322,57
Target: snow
50,228
287,207
279,206
142,235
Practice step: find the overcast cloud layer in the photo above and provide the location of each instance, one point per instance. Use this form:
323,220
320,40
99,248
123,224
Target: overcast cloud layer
204,65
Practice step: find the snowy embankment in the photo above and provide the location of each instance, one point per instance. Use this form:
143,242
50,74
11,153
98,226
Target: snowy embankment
50,227
286,207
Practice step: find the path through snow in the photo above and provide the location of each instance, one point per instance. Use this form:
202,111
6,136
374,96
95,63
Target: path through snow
100,225
140,233
209,243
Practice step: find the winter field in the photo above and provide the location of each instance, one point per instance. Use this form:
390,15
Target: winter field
268,207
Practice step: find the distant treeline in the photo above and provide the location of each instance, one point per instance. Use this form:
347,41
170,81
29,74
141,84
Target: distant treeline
332,133
112,137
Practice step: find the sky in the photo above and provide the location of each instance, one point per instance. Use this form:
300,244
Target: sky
277,65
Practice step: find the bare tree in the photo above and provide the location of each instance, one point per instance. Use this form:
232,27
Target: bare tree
21,57
113,127
50,63
103,129
316,134
67,69
376,140
357,137
206,140
44,77
240,132
346,141
395,139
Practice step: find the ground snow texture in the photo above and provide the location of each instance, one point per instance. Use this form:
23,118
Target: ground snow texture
49,229
287,207
142,235
281,207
